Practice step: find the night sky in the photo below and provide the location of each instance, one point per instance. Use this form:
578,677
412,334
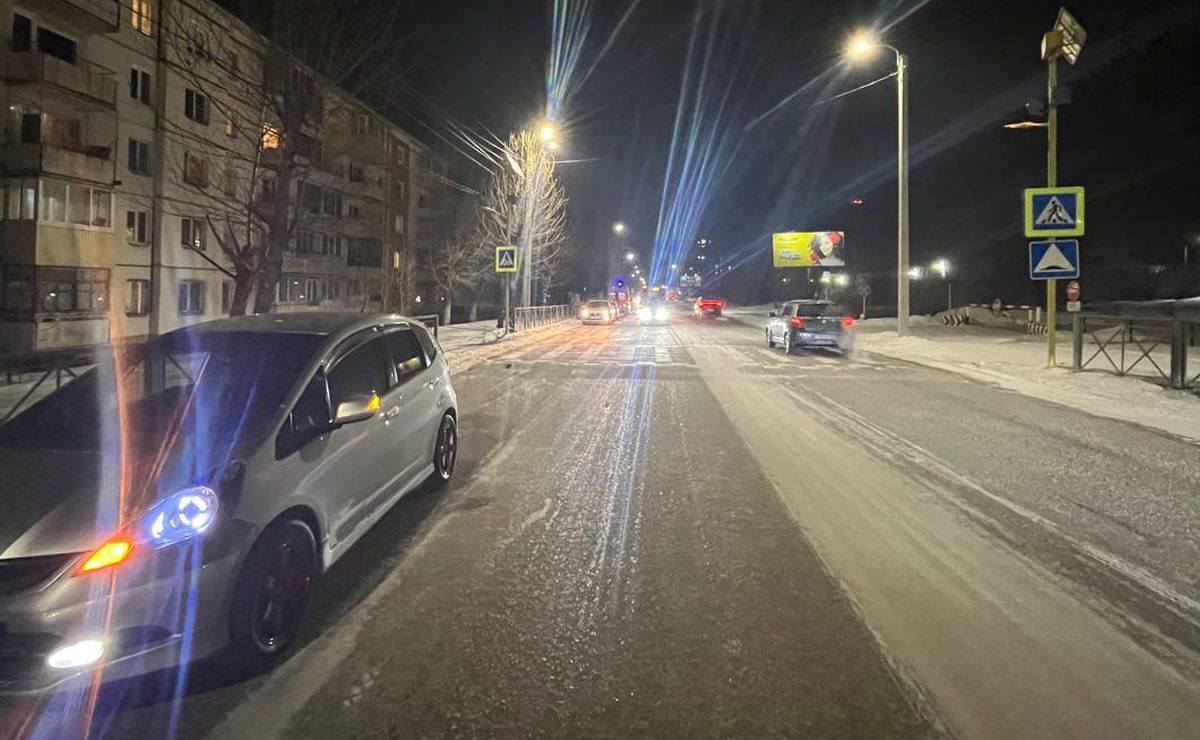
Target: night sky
1130,134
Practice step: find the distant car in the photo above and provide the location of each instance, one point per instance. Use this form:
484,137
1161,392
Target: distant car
810,323
598,311
654,312
179,498
709,308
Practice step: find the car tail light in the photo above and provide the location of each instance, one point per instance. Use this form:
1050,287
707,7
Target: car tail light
798,322
113,552
848,322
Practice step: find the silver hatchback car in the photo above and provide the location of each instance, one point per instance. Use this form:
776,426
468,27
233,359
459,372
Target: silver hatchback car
180,497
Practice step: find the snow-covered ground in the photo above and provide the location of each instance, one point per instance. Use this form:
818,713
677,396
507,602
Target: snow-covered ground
1018,362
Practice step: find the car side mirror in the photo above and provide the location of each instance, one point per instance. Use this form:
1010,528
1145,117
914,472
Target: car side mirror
356,409
773,314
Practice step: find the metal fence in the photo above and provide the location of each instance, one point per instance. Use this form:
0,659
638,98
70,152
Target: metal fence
527,318
29,376
1154,346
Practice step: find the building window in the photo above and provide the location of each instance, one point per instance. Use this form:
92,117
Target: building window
270,137
304,242
137,297
195,170
56,45
139,157
332,205
22,201
353,211
137,226
191,297
139,17
356,173
192,233
331,244
398,224
365,253
139,85
76,205
195,106
72,290
231,126
226,293
229,180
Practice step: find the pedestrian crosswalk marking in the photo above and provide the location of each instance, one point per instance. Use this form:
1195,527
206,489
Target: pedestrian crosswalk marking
1054,261
1054,214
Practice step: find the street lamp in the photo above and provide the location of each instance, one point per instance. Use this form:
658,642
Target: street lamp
618,228
861,45
630,256
915,273
674,267
842,280
547,132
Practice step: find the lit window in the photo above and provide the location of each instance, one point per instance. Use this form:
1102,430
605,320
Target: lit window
139,18
270,137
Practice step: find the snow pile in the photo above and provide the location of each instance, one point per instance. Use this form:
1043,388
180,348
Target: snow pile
1017,362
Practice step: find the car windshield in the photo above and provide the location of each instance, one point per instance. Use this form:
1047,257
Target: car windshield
213,385
597,304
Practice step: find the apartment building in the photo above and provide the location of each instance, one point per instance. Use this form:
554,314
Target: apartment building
130,164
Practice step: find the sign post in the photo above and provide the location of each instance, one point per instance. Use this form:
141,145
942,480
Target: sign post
864,290
506,264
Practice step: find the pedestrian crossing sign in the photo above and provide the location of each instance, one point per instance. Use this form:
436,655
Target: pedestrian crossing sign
506,259
1054,211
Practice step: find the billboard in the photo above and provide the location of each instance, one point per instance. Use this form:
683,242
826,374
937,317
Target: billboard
809,249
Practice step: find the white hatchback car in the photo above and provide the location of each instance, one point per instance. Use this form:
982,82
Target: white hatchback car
180,497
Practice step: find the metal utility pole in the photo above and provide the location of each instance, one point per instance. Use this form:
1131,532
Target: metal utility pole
902,304
1052,181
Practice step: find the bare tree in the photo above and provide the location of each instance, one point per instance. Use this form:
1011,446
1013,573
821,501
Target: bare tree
268,90
463,259
525,203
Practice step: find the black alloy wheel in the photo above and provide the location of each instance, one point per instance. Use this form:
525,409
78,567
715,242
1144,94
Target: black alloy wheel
445,451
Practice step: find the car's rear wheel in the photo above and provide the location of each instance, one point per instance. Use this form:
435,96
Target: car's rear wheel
272,594
770,340
445,450
787,342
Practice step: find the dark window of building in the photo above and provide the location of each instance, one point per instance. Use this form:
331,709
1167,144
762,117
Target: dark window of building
56,45
22,33
191,297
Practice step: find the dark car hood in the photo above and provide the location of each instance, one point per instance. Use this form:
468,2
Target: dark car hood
51,501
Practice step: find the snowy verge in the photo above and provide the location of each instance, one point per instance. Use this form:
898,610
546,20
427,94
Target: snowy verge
1017,362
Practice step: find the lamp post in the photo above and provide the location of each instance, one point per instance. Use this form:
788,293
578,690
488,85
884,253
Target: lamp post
860,46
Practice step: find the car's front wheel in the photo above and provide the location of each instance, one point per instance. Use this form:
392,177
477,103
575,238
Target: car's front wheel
770,340
272,594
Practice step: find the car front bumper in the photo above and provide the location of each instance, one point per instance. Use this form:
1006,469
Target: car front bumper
150,614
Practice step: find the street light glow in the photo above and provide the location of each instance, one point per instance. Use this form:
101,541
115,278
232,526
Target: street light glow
842,280
630,256
916,273
861,44
941,266
618,228
674,267
547,133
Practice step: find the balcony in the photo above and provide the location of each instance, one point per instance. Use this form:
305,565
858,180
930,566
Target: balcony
83,82
368,148
93,164
97,16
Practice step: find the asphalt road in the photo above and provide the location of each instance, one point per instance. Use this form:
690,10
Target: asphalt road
676,532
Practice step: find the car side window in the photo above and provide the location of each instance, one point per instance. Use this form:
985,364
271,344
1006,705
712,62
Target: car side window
310,413
359,374
427,343
787,310
408,356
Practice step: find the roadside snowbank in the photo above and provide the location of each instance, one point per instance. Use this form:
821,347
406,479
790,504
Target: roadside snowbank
1017,362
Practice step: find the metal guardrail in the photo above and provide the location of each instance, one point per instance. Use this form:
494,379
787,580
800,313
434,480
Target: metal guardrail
528,318
432,320
1126,342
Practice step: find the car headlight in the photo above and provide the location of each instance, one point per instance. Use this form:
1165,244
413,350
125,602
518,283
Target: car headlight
645,313
179,517
661,313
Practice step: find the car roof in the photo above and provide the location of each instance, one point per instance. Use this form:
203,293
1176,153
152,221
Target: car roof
321,323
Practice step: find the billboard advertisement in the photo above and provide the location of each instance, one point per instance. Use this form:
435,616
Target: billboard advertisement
809,249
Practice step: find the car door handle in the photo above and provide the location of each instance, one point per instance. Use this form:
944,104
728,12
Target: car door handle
434,381
391,413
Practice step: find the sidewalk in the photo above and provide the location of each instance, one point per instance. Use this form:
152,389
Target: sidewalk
1017,362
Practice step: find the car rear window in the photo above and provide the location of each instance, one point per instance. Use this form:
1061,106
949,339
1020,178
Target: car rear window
813,310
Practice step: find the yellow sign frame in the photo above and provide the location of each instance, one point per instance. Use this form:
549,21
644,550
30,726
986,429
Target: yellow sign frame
515,258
